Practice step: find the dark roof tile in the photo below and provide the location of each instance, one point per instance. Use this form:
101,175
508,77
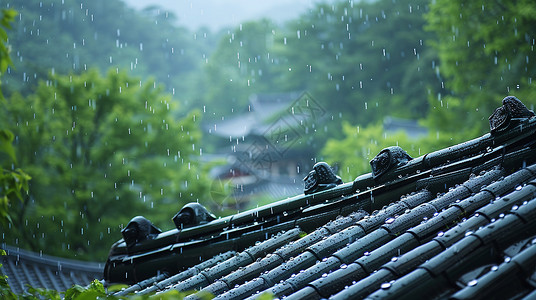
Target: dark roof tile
25,268
181,276
434,225
439,264
380,238
207,276
499,278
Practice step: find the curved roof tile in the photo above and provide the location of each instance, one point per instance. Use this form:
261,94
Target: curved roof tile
459,222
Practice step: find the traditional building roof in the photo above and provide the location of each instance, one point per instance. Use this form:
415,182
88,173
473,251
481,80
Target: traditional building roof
38,270
459,222
256,120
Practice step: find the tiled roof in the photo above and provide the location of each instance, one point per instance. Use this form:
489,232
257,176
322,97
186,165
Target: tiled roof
43,271
459,222
255,120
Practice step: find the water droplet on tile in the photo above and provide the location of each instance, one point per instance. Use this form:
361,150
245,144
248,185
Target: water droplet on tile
385,285
472,282
389,220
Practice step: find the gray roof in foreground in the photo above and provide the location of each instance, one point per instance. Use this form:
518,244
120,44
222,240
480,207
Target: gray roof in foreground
456,223
43,271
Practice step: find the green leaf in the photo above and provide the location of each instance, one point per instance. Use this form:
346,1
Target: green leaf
74,291
89,295
116,287
6,140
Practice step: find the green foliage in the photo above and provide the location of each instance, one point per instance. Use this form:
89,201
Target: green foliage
5,290
485,51
344,54
364,59
100,150
12,185
353,153
13,182
95,290
240,66
6,18
74,36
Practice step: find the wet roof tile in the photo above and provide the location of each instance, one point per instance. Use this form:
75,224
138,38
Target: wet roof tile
459,222
25,268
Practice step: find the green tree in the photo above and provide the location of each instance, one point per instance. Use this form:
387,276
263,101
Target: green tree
485,50
362,59
73,36
241,65
100,150
7,17
353,153
13,182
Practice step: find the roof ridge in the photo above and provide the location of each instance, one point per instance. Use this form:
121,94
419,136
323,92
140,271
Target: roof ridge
53,261
443,198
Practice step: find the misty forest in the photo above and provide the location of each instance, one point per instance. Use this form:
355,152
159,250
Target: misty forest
108,112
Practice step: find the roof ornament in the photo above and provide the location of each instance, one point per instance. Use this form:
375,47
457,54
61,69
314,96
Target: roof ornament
320,178
192,214
139,229
388,159
510,113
